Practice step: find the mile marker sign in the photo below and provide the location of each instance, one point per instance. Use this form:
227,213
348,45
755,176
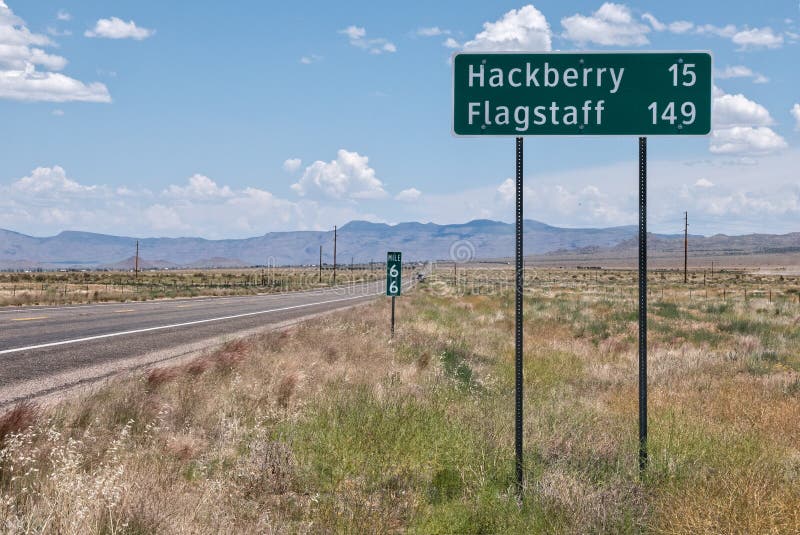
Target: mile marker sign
394,273
582,93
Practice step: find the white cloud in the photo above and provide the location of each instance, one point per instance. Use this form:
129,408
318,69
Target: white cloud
354,32
63,15
292,164
763,196
49,201
311,58
19,47
199,187
736,71
746,38
727,31
611,25
654,22
31,85
746,140
506,190
738,110
358,38
741,126
523,29
451,43
116,28
679,26
55,32
20,59
432,31
579,202
757,38
740,71
162,218
795,111
347,177
50,181
408,195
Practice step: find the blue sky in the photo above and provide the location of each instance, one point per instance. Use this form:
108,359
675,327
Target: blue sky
156,119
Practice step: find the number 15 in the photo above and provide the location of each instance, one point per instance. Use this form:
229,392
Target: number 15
688,70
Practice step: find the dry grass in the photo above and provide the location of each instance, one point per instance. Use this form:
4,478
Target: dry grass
58,288
22,416
332,427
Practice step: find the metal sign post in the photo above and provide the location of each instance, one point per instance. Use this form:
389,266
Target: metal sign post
642,303
518,347
394,278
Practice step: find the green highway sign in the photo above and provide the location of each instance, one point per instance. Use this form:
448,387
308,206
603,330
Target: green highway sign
582,93
394,273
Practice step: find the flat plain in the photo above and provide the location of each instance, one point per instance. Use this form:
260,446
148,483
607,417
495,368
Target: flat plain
72,287
331,426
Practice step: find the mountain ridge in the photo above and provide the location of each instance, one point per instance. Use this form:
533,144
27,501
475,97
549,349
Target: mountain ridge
361,241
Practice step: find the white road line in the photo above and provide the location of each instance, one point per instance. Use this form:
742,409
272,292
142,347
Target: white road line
186,324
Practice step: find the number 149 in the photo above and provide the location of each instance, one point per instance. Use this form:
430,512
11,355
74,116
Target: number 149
688,113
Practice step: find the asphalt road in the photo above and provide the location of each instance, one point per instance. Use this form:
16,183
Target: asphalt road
47,349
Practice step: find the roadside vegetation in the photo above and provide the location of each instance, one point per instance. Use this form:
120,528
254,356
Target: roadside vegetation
71,287
332,427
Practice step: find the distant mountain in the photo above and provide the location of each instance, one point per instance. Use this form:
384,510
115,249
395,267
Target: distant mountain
130,263
716,245
361,241
666,252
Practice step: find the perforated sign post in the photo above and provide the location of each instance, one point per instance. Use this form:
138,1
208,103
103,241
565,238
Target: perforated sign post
582,94
394,278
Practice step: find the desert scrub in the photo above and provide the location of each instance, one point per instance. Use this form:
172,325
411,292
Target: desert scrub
333,427
59,288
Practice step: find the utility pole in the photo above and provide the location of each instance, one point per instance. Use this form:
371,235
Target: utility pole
334,254
685,247
136,262
320,263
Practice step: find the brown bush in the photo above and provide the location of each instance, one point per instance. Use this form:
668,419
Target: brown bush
268,469
21,417
274,341
198,366
331,354
184,447
159,376
285,389
231,354
423,360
